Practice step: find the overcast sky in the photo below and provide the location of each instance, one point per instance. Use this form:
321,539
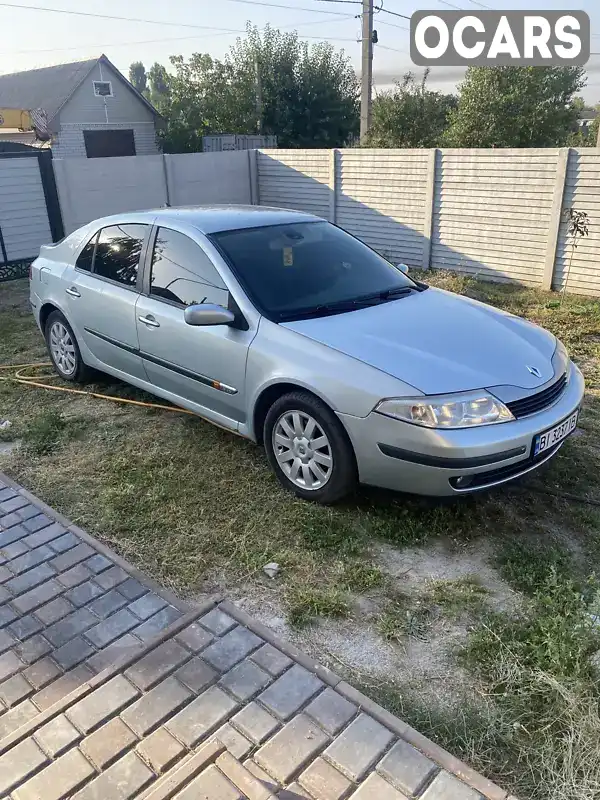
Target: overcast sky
35,38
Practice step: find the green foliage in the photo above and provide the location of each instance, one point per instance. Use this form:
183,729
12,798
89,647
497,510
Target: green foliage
404,618
361,576
458,596
305,604
44,432
138,77
515,107
410,115
528,566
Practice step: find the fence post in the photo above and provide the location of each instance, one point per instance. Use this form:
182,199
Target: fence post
166,163
555,216
253,177
333,159
429,204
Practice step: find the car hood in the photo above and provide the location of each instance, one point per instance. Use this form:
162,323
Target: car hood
439,342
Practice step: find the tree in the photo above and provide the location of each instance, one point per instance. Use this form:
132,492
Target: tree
410,115
269,82
159,85
515,107
137,76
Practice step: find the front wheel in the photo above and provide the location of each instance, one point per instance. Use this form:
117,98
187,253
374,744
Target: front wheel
309,449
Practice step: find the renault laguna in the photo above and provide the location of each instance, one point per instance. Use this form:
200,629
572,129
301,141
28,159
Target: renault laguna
286,330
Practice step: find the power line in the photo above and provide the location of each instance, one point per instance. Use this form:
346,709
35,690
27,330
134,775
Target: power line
481,5
445,2
392,25
393,49
394,13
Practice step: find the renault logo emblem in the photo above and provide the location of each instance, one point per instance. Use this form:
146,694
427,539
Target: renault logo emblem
534,371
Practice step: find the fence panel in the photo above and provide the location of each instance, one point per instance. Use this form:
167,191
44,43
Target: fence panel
204,178
298,179
24,224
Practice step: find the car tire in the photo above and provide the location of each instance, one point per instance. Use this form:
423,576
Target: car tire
64,350
308,448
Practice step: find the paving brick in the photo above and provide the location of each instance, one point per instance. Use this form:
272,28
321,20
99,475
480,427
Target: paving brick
376,787
32,649
236,744
218,622
30,559
111,577
120,782
5,574
22,583
210,784
14,690
147,605
294,792
271,659
36,522
325,782
74,576
8,520
256,723
60,632
72,557
406,768
13,534
38,596
102,704
56,736
157,623
28,511
201,716
160,750
54,610
57,781
289,751
245,680
233,647
13,719
61,687
6,493
84,593
156,706
44,535
98,563
7,640
14,550
194,637
331,711
19,763
12,504
132,589
196,675
111,628
290,692
24,627
6,614
65,542
267,780
106,605
446,786
9,664
356,750
108,743
157,664
42,673
73,652
108,656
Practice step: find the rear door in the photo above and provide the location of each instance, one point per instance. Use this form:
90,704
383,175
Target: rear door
101,293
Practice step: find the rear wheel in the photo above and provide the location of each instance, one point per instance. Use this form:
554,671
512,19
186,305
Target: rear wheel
64,350
308,448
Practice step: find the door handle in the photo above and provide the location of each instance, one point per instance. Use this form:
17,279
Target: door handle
149,321
73,292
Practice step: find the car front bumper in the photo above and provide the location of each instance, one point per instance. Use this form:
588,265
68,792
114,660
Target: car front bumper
397,455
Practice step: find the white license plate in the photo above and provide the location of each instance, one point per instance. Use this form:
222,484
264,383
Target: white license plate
547,439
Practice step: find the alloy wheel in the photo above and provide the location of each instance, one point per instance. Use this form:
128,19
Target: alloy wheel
302,450
62,348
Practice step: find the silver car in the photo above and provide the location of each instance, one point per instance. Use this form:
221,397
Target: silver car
288,331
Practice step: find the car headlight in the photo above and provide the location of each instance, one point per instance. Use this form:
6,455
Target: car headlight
464,410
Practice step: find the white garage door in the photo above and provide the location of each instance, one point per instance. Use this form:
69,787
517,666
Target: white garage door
23,215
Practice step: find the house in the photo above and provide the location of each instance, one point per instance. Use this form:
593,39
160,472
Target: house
91,109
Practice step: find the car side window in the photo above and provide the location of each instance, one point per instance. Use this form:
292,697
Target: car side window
182,272
118,252
85,258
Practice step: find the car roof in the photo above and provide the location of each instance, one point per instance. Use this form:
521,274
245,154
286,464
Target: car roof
215,218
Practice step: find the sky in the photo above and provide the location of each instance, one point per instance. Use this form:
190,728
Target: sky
31,38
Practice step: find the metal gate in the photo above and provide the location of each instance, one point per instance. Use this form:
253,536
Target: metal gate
29,209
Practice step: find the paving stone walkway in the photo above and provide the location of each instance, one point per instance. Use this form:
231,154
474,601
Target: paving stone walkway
111,688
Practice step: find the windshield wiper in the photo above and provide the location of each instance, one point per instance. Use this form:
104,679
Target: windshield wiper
346,305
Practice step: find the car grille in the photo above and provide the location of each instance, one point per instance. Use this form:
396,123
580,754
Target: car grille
537,402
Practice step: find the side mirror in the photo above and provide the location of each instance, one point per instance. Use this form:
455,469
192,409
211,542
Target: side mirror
403,268
208,314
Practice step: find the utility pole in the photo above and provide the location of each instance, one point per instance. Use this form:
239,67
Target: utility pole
259,111
366,77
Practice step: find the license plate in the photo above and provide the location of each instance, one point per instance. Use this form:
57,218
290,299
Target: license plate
547,439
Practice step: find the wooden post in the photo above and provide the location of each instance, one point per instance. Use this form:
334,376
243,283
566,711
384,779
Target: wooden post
334,155
429,206
555,217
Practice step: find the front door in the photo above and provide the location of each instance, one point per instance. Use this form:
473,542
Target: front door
205,365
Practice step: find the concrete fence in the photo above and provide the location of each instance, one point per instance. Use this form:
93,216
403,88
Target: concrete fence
495,213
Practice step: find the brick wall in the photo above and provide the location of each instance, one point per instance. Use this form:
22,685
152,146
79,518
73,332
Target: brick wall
69,140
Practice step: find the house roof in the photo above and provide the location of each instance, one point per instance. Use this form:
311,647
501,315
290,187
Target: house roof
50,87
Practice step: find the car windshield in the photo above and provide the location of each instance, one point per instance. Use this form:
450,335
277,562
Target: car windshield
308,269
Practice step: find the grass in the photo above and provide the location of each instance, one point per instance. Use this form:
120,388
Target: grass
198,508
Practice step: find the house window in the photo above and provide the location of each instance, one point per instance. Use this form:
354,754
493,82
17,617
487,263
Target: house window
103,88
